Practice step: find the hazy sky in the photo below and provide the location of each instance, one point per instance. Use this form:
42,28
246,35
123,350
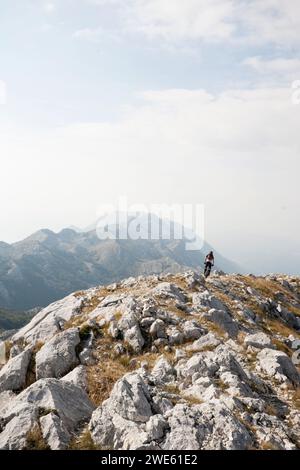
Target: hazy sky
164,101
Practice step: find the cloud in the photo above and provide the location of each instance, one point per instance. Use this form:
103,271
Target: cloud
49,7
191,19
275,69
89,34
96,35
3,92
237,149
255,21
273,21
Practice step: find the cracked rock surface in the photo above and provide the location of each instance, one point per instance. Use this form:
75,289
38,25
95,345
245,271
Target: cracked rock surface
158,362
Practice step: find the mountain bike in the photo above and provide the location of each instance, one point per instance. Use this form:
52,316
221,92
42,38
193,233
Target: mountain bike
207,270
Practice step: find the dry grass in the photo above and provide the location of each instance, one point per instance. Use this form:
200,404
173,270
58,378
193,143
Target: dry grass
293,309
271,410
267,445
151,358
79,294
108,370
92,303
282,347
192,400
277,327
8,346
179,282
83,442
172,388
215,328
75,322
35,440
101,379
265,287
296,398
221,384
178,312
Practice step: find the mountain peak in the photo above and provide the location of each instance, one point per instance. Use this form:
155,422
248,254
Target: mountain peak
152,360
59,263
42,235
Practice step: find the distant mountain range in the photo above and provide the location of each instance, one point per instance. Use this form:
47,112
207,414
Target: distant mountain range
47,266
11,320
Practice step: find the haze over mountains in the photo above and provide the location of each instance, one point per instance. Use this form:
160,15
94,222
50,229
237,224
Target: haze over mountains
47,266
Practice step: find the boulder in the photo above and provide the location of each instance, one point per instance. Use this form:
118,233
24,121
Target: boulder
163,371
119,422
167,290
258,340
192,330
69,402
224,320
58,356
77,376
203,364
15,350
157,329
13,374
174,335
134,338
54,432
50,320
193,279
205,343
113,330
272,432
205,427
278,365
206,299
5,398
156,427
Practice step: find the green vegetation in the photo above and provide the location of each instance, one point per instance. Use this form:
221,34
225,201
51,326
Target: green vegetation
11,320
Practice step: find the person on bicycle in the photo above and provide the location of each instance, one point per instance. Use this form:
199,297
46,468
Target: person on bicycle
209,262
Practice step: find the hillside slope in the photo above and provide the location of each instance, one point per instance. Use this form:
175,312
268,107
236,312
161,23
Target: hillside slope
10,320
47,266
158,362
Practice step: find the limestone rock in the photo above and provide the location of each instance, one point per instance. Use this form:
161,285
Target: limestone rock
77,376
58,356
169,291
118,422
50,320
192,330
134,338
278,365
224,320
163,371
54,432
157,329
206,342
13,374
70,403
258,340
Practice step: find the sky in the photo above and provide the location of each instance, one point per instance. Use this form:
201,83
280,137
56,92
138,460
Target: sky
161,101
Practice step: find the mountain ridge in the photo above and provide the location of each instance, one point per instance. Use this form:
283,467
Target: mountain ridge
160,362
47,266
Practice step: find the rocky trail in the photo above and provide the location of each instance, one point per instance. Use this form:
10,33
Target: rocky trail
158,362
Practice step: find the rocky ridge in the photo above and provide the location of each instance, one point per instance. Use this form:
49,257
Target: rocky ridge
158,362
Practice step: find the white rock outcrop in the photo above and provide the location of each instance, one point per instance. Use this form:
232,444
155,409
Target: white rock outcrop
58,356
13,374
176,361
69,402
